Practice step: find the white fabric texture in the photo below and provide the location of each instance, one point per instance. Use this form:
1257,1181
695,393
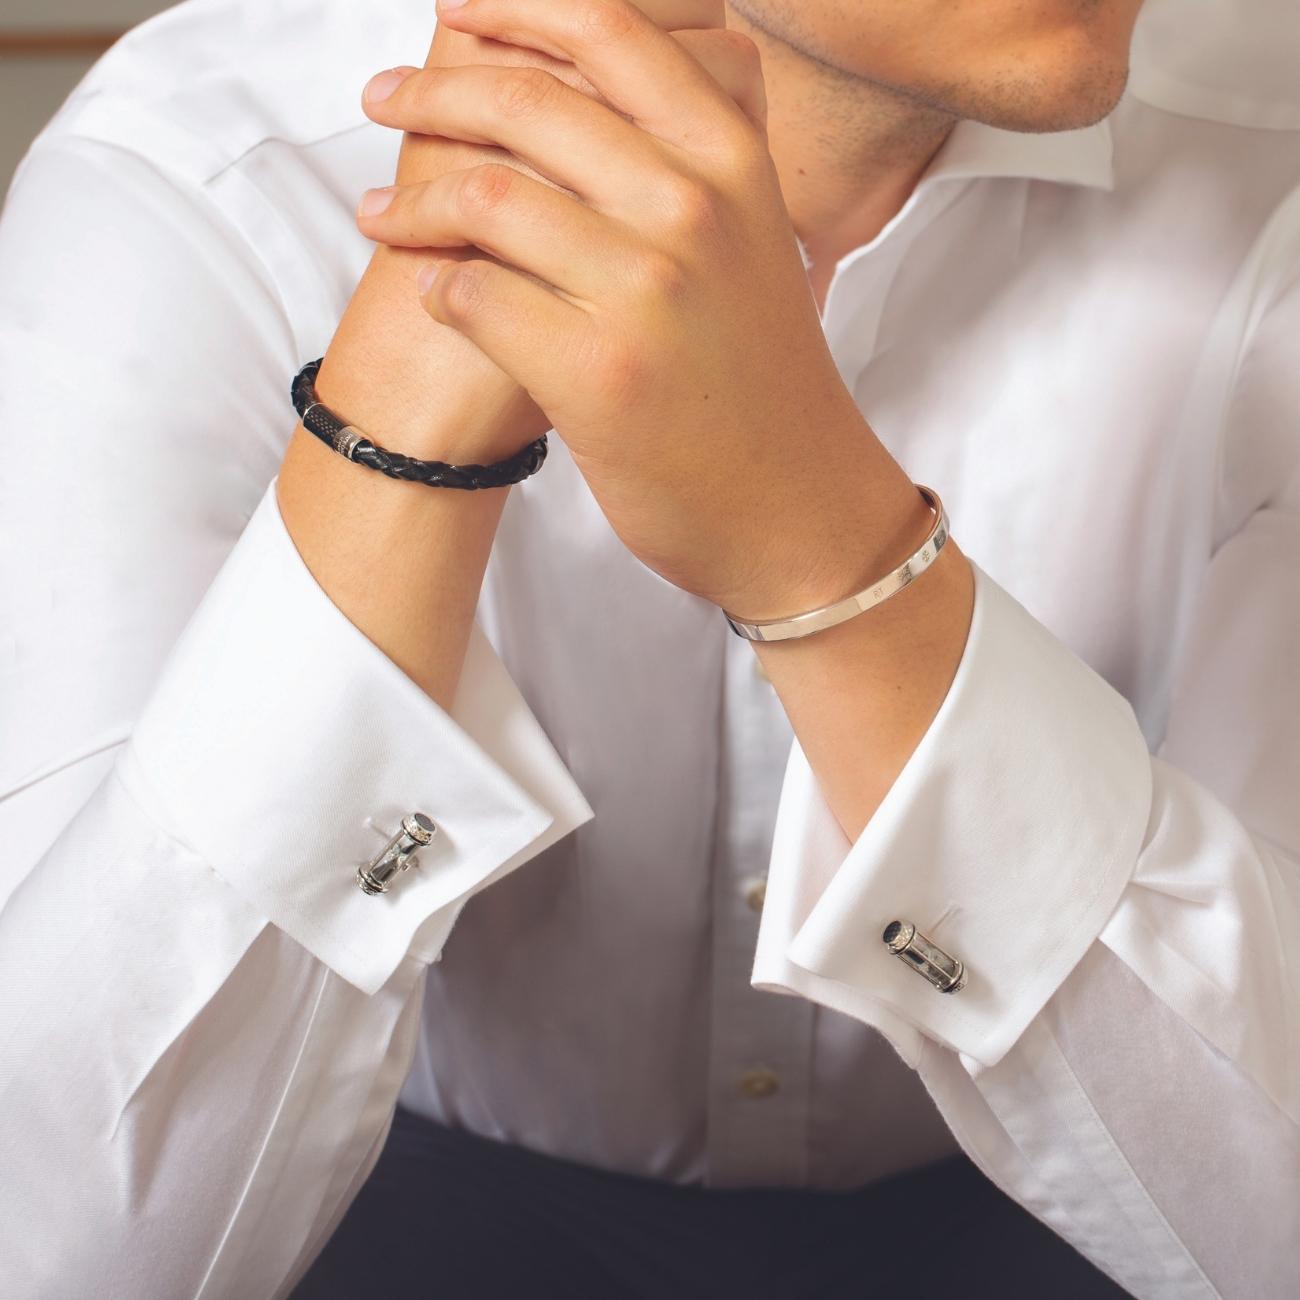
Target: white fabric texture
1086,342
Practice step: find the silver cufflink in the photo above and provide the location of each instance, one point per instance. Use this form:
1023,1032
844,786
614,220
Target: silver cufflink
398,854
907,943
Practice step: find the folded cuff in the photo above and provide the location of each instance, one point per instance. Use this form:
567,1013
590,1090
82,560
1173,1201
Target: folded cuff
1007,838
284,747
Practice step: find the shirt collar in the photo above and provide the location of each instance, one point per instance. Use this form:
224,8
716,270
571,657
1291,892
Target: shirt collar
976,150
1230,61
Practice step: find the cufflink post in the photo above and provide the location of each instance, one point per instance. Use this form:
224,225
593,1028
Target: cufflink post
907,943
417,831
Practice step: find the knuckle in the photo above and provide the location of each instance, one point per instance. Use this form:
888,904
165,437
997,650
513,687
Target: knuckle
742,48
523,92
743,155
691,209
417,93
598,22
658,274
485,188
614,368
463,289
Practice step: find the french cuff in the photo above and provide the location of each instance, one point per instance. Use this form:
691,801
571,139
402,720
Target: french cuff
285,748
1007,840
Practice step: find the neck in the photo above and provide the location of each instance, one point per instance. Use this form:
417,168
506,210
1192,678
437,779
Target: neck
848,152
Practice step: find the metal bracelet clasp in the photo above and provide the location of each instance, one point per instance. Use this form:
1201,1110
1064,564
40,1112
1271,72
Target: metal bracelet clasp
377,875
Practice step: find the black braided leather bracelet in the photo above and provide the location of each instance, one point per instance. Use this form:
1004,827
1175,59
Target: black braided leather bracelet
349,441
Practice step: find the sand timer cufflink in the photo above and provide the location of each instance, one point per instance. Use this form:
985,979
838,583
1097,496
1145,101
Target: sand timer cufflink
908,944
377,875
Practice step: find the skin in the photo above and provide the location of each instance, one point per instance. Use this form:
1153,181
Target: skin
405,563
862,93
1025,65
619,263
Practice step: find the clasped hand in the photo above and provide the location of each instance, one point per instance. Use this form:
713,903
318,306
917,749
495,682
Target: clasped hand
656,308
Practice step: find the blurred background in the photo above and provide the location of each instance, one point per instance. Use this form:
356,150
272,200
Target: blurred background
46,46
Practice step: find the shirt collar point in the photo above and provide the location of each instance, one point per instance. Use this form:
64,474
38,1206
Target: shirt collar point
976,150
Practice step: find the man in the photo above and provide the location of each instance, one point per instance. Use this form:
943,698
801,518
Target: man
1067,791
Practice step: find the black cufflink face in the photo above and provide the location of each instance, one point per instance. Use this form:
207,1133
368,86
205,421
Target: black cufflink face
907,943
377,876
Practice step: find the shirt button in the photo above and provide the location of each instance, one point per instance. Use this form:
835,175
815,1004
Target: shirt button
758,1084
756,892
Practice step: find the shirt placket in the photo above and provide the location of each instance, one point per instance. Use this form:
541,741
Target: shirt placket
760,1046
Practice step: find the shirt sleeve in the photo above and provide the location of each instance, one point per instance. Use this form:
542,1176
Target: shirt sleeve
1129,920
204,1021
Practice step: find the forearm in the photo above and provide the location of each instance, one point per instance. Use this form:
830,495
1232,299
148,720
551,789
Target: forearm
681,359
861,695
403,561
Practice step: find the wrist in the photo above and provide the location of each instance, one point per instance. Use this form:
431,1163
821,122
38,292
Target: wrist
829,534
414,385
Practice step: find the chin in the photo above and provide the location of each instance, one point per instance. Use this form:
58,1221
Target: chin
1041,65
1060,88
1023,65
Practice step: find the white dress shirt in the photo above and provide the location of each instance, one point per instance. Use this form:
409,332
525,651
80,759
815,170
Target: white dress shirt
1088,343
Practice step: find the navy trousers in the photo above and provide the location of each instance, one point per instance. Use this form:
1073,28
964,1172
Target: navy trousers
449,1215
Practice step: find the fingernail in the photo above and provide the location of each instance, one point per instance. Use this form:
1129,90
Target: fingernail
428,274
373,202
382,84
450,4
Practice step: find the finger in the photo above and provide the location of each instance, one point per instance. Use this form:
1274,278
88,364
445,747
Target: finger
531,225
636,65
504,314
453,48
731,58
734,62
684,13
557,130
